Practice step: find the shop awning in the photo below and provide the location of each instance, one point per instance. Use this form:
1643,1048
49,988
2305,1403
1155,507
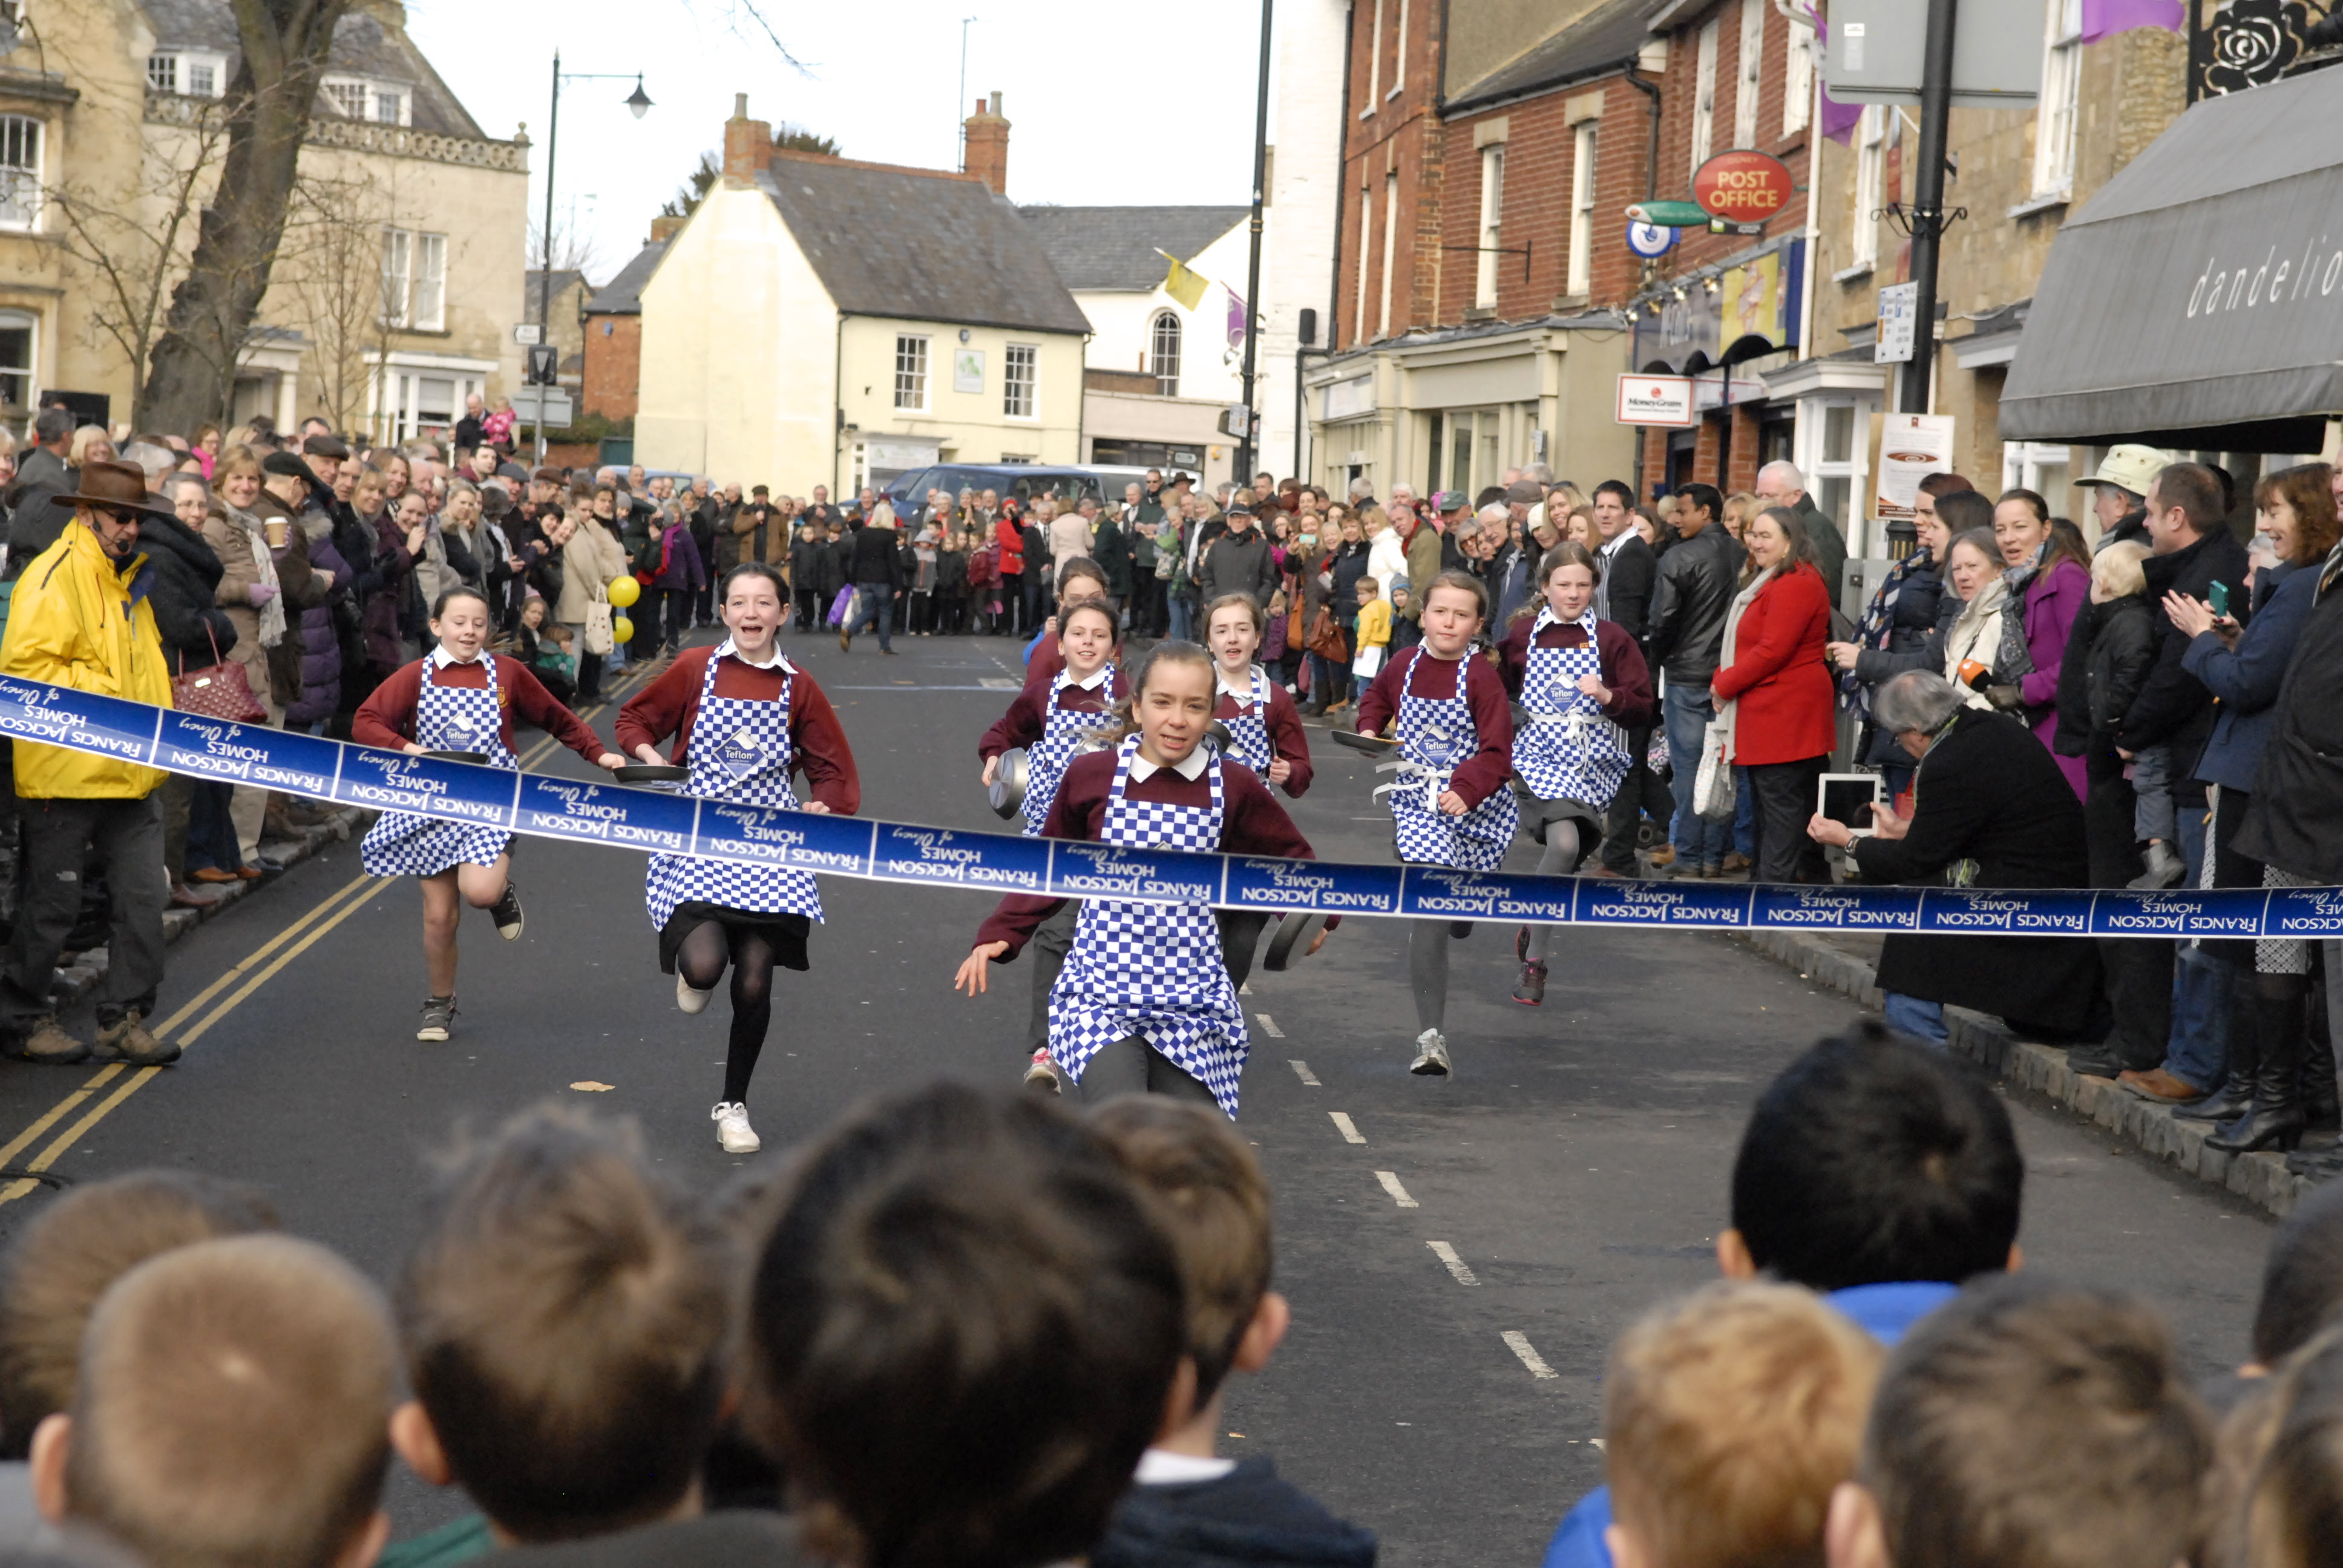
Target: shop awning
2196,300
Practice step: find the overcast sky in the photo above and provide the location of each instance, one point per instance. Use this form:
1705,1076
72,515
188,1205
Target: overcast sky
1113,104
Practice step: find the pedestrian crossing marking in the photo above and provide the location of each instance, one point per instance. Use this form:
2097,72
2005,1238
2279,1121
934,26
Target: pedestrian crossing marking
1390,1179
1268,1025
1456,1265
999,683
1519,1342
1347,1128
1302,1070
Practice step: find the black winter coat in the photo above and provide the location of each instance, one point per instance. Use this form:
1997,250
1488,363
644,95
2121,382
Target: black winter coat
2296,820
2173,707
876,562
1698,577
1988,791
187,575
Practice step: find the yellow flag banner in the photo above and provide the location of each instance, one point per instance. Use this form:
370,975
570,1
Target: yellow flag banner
1187,287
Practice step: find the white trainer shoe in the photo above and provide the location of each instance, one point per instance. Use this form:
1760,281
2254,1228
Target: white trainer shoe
732,1129
688,1000
1431,1055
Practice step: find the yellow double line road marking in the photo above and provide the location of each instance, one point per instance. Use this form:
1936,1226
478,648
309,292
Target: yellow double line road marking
254,972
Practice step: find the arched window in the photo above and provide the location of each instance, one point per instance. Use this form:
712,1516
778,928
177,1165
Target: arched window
1164,353
20,172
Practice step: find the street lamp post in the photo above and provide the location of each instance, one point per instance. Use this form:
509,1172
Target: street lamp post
1246,443
636,102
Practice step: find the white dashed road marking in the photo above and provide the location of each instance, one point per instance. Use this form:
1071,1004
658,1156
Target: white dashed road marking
1347,1128
1447,1255
1521,1346
1301,1070
1399,1194
1268,1025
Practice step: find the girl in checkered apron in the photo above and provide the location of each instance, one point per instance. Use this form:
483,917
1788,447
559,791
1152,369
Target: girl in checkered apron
1265,735
744,718
1578,680
458,699
1145,1002
1450,805
1050,720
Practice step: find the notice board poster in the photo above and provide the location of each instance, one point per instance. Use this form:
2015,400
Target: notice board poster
1911,447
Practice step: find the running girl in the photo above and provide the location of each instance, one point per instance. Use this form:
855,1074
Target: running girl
1449,804
1579,680
1145,1002
458,698
1048,719
758,718
1081,578
1264,734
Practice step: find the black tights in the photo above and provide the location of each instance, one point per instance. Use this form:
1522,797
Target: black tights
700,960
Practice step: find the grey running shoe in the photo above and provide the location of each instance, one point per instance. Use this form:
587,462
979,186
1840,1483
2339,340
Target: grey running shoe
438,1014
1042,1075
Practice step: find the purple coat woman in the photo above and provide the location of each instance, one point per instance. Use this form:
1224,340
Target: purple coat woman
2053,598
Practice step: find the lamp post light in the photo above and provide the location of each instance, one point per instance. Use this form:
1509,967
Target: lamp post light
637,103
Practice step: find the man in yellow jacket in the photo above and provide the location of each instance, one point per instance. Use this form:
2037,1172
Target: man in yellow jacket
79,618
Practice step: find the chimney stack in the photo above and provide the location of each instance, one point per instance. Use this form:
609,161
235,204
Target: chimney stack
748,143
663,229
988,145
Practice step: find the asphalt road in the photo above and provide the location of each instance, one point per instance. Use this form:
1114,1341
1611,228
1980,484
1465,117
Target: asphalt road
1443,1375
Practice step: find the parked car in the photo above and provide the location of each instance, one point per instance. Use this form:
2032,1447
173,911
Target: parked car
1023,480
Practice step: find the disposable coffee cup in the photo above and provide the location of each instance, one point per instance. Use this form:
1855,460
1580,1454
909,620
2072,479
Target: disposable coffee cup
277,530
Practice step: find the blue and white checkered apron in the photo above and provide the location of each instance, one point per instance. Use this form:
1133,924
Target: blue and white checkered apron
1062,738
1435,735
1151,969
447,719
741,754
1568,750
1248,729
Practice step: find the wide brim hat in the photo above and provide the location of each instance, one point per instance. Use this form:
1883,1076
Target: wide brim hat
2129,467
120,486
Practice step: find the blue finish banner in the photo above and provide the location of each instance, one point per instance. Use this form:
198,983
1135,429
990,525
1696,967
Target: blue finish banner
661,820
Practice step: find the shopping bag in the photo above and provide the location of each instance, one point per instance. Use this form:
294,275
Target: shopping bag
601,635
841,604
1370,662
1712,793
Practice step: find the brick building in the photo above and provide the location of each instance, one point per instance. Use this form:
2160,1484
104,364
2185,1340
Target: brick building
613,328
1487,298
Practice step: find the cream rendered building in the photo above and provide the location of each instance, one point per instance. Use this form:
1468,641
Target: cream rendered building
1158,375
822,321
395,289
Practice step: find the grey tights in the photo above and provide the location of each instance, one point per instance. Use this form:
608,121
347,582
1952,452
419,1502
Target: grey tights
1560,859
1427,970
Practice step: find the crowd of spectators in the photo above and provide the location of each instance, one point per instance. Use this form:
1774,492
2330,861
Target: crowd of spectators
973,1329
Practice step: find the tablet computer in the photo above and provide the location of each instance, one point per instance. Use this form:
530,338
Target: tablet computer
1847,798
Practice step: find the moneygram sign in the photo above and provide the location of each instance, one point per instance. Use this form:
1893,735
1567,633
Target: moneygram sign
1664,400
1741,186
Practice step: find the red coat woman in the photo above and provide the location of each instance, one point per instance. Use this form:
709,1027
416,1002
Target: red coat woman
1784,714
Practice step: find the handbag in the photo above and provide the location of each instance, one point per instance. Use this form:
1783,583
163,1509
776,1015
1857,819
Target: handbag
223,691
1325,638
1714,795
602,635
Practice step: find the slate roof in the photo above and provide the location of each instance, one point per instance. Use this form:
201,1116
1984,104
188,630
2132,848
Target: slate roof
363,46
623,294
1598,43
919,245
562,278
1114,247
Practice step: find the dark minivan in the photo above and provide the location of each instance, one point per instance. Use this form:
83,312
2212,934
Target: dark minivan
1023,480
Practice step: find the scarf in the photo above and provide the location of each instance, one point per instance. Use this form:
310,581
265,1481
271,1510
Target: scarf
1879,628
1728,712
272,614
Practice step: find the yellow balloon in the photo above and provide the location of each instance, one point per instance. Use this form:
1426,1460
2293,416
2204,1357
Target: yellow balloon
621,627
625,591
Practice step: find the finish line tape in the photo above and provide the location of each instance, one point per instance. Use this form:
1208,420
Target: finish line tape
653,821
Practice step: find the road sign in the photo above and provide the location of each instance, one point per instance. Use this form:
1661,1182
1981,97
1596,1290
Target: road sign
1662,400
549,407
1743,185
1899,308
528,333
1877,48
1651,239
1670,214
